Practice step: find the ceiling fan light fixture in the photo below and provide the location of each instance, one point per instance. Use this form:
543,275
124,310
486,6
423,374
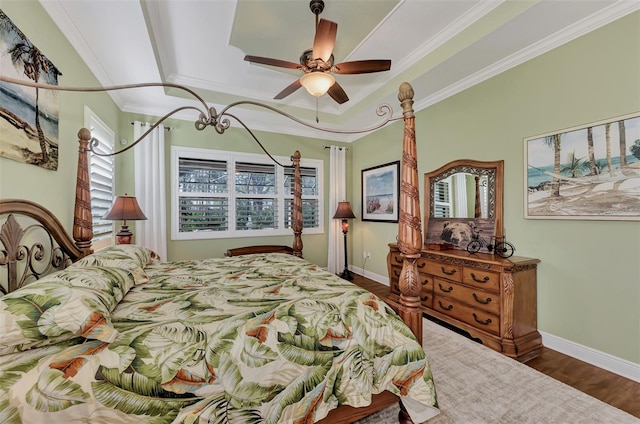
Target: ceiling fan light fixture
317,83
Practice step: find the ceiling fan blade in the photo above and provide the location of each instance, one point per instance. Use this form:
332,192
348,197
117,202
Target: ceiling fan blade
288,90
325,39
362,66
337,93
272,62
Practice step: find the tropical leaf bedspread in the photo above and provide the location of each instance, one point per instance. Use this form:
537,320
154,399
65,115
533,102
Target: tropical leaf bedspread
248,339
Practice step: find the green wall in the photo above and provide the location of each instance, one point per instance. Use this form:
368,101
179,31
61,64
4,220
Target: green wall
54,189
589,275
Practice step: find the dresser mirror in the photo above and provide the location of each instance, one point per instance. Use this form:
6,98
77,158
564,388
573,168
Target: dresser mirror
462,197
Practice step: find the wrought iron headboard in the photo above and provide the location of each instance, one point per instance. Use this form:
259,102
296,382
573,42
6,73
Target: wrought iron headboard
33,243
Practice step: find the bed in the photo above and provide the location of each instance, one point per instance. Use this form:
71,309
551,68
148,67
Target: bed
120,336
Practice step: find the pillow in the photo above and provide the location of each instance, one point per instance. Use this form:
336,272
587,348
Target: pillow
74,302
140,255
126,256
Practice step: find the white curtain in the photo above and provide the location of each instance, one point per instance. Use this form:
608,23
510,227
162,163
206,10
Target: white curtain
150,188
337,193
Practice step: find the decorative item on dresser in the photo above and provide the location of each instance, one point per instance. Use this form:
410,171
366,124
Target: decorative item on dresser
492,298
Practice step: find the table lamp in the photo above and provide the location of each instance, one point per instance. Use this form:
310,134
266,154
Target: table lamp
125,208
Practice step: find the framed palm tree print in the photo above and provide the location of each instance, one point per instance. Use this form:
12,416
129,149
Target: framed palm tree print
28,115
587,172
381,192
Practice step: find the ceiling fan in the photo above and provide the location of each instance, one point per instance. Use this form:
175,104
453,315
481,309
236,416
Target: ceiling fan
317,63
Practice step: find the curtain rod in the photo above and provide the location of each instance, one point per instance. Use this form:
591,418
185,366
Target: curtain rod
339,147
166,128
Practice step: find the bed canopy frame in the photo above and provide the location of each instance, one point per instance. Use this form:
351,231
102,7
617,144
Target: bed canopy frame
64,249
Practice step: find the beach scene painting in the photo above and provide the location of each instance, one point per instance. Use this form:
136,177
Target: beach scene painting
380,192
28,115
586,172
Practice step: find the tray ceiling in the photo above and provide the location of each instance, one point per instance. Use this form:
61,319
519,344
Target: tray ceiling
441,46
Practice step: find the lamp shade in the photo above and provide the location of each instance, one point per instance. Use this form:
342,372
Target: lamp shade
344,211
317,83
125,208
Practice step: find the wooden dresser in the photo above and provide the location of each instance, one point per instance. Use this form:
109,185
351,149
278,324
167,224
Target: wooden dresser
492,298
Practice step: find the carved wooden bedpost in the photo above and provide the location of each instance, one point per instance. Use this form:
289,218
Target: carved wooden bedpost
409,224
82,220
296,216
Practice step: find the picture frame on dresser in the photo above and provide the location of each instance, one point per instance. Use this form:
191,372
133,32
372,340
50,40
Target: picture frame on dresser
381,192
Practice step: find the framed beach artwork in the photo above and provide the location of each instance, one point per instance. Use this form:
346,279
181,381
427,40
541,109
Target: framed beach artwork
590,172
381,192
28,115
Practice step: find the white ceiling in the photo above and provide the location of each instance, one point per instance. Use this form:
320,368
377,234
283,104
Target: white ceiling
440,46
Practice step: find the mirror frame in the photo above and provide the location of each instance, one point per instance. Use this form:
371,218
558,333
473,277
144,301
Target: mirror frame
495,202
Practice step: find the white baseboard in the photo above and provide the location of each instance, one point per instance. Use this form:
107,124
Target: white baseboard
611,363
603,360
382,279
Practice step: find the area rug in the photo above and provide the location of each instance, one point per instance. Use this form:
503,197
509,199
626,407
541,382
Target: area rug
476,385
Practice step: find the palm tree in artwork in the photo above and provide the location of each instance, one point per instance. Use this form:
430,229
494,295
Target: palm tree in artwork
553,141
35,67
623,143
575,167
593,169
607,139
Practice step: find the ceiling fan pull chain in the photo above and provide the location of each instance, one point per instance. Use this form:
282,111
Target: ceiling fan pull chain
317,119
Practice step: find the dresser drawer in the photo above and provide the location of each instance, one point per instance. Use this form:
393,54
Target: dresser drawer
439,269
396,260
426,281
395,286
426,298
473,297
395,272
426,291
471,315
486,280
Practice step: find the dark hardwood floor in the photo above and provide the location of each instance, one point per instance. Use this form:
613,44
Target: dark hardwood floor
611,388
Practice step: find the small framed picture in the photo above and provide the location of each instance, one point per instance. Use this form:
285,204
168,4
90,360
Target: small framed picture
381,192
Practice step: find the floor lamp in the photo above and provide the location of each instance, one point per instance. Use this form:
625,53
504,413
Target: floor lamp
345,213
123,208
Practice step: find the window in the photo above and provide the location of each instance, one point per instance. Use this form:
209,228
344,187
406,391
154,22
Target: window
101,179
219,194
442,199
483,186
